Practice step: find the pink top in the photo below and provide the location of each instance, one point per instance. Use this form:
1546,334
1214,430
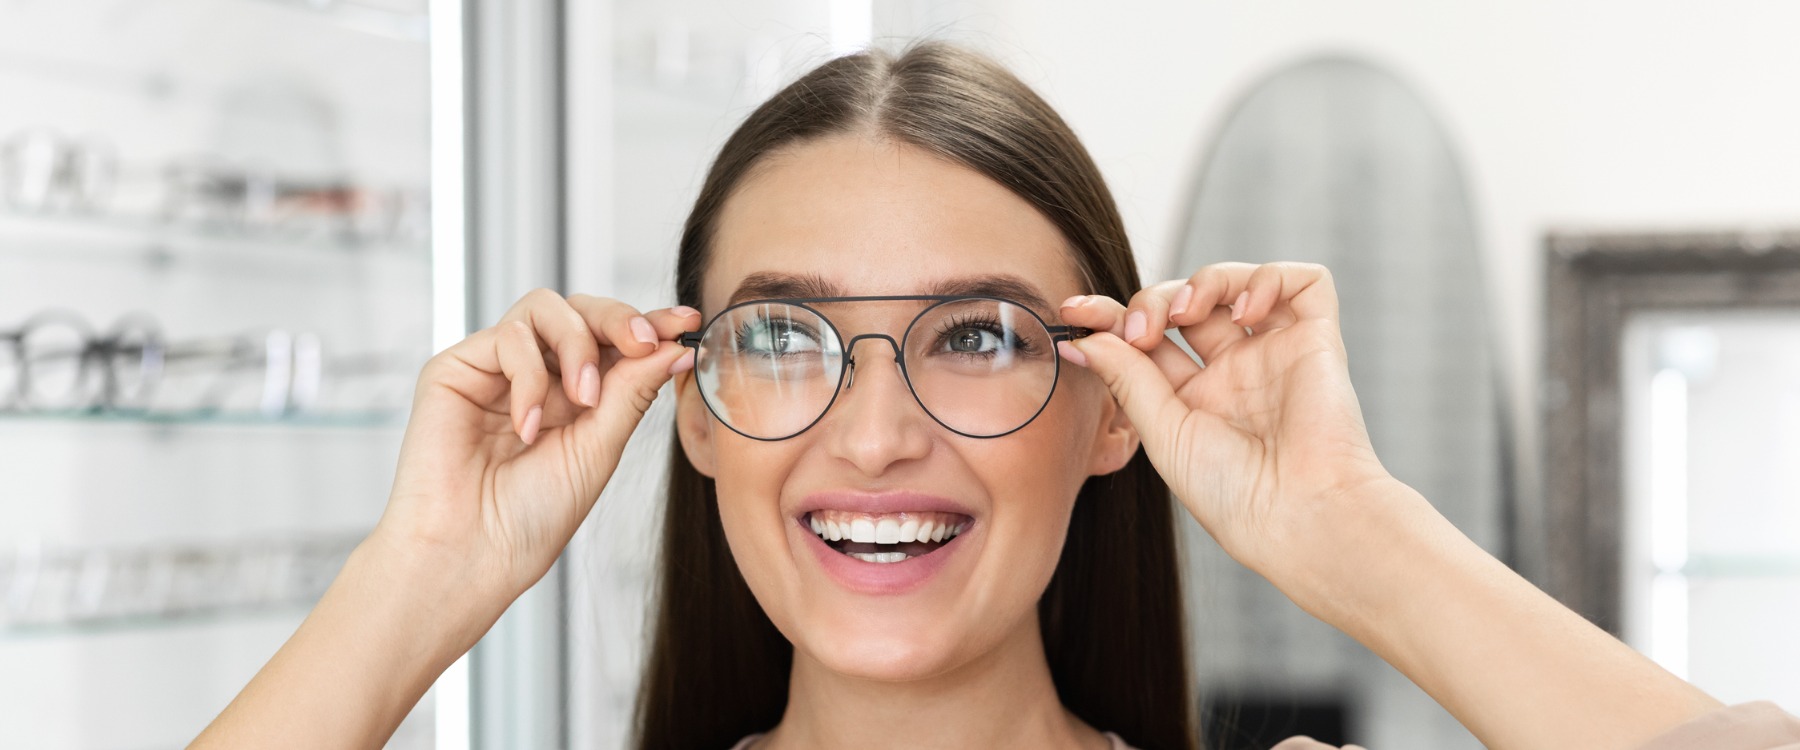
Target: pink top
1117,744
1747,726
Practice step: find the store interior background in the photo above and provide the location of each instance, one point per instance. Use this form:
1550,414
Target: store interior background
1599,117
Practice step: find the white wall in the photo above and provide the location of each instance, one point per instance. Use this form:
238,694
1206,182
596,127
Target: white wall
1585,113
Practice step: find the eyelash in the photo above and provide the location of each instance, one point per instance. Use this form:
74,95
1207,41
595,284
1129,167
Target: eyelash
987,324
748,328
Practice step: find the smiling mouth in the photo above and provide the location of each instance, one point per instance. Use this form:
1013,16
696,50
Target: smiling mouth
886,537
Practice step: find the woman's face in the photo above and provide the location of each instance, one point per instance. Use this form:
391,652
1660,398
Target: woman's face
878,218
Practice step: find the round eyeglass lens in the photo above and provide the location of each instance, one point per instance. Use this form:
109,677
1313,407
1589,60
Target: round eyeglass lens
56,375
981,367
769,370
11,369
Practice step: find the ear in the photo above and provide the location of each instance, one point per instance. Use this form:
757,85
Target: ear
693,423
1116,442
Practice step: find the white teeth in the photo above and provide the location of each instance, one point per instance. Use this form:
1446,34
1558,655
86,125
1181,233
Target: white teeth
906,527
880,557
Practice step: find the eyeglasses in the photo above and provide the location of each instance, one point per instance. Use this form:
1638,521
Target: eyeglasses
980,366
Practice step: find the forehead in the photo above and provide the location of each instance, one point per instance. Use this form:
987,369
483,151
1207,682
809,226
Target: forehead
878,218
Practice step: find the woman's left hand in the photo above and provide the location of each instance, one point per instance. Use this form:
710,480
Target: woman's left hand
1261,442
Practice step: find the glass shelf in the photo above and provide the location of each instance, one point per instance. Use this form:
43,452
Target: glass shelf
74,234
71,590
1741,566
139,624
350,420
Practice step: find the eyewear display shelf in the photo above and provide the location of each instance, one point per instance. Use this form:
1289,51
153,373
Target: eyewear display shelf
215,297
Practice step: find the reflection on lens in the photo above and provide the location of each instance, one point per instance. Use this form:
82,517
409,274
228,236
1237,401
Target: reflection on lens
55,375
769,370
981,367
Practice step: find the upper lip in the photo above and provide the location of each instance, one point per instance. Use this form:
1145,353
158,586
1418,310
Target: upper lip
880,503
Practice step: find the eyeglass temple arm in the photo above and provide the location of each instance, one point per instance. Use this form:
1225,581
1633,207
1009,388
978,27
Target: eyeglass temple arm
690,339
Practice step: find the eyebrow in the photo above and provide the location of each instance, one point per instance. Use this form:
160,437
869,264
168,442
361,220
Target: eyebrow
774,285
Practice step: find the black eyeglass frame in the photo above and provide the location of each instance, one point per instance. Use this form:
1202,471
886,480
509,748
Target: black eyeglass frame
1057,333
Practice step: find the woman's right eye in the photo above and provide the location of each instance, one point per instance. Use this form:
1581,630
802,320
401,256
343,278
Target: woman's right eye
776,338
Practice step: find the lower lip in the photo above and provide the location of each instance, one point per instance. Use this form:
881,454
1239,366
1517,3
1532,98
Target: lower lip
880,578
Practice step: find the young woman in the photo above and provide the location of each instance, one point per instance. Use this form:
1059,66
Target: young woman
931,438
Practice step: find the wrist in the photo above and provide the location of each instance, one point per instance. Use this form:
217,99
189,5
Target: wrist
1355,555
450,600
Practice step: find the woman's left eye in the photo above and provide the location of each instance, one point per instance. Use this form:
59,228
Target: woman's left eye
974,340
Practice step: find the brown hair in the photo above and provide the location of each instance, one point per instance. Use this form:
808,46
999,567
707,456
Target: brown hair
1111,616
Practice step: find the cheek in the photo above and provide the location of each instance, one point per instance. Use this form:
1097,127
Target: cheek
749,482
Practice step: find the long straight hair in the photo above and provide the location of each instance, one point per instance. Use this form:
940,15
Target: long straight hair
1111,616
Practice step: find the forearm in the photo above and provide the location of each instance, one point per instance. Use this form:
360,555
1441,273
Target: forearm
1513,665
386,628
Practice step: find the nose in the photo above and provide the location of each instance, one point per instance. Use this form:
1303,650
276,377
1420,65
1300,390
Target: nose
875,423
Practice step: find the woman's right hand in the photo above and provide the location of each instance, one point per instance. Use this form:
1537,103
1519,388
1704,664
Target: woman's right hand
516,429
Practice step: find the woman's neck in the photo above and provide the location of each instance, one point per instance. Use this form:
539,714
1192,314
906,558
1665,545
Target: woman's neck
1002,699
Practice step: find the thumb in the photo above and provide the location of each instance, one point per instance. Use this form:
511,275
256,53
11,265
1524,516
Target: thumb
627,390
1135,382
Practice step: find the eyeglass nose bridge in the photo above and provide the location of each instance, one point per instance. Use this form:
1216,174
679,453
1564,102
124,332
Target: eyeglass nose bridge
850,355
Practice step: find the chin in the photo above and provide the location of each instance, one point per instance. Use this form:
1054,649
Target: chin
897,649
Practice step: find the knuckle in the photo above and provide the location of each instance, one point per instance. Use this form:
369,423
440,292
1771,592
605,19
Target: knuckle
576,326
435,368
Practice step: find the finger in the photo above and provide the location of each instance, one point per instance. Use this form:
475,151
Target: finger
1101,313
1301,742
1212,336
1135,381
1177,366
1096,312
627,391
618,325
671,322
1304,288
1147,316
522,362
1214,285
566,333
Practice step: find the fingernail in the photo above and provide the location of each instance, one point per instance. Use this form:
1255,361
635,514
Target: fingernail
682,363
528,432
1074,301
684,310
1237,308
1069,352
641,330
1135,323
1182,298
590,384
